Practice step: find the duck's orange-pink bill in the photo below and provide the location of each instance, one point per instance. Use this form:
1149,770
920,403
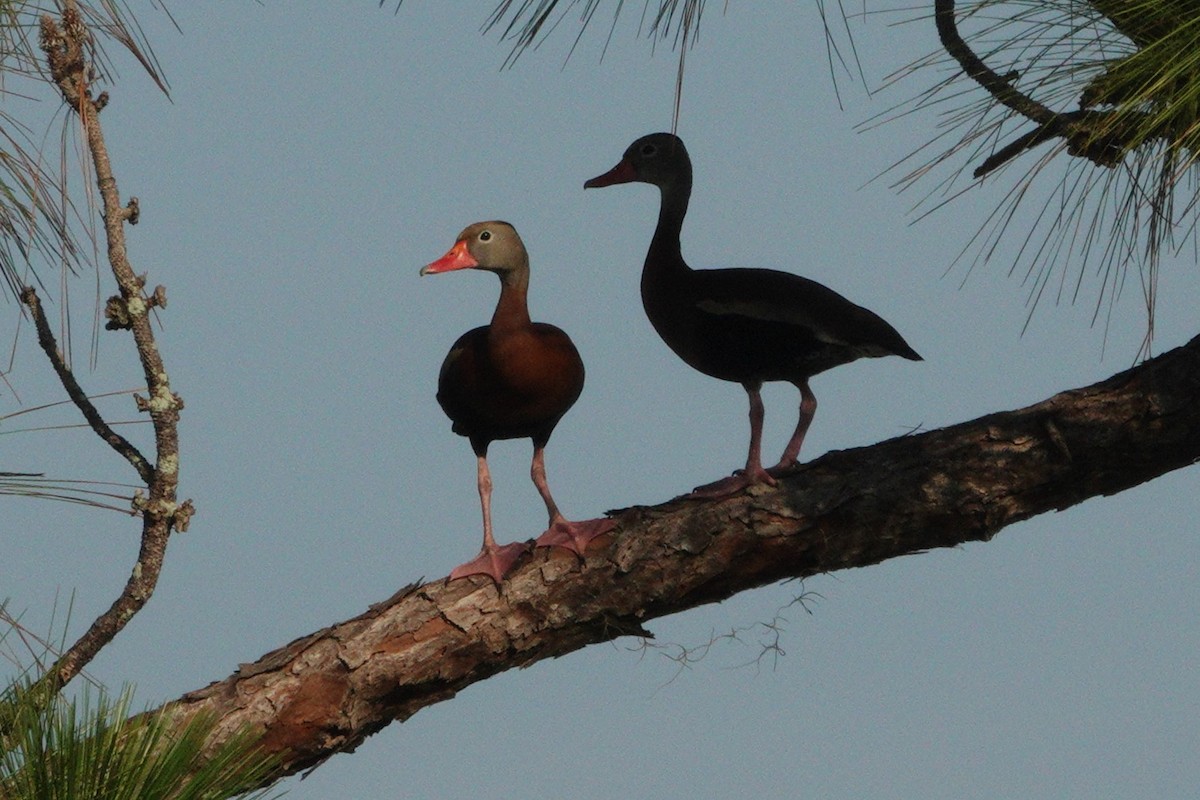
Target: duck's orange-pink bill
457,257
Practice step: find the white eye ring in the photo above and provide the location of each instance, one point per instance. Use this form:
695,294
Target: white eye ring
485,236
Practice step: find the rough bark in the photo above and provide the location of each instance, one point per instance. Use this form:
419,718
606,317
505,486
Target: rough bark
326,692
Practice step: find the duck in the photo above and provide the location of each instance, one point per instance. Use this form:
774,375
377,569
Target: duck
510,379
744,325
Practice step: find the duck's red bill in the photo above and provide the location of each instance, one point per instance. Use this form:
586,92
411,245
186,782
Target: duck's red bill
621,173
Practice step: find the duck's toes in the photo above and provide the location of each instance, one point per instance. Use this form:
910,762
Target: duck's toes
494,562
783,468
731,485
574,536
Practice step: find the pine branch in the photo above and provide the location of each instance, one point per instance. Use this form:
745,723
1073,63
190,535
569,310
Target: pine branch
1102,137
66,47
326,692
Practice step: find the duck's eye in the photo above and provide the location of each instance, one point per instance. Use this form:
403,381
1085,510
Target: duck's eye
649,150
485,236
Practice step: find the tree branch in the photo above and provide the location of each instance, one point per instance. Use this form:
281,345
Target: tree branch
79,397
326,692
1100,136
66,49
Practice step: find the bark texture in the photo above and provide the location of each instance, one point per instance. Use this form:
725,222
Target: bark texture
326,692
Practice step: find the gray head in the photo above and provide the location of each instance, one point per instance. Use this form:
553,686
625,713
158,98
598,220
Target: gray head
494,246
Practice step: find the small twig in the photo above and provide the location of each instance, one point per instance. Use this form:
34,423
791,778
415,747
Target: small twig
66,48
49,346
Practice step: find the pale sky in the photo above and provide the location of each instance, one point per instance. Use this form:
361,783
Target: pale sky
310,162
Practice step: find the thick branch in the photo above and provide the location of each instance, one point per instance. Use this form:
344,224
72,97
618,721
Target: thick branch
997,86
66,49
325,693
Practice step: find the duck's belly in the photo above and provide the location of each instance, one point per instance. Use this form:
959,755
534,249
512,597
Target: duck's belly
509,399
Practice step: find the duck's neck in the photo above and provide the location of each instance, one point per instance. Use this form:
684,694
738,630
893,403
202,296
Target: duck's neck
512,310
665,259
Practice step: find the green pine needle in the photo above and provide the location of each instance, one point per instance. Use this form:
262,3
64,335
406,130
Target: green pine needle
95,748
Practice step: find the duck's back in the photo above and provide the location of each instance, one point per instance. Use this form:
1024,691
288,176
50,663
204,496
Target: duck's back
762,325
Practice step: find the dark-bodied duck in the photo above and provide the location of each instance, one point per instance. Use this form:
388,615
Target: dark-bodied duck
742,325
509,380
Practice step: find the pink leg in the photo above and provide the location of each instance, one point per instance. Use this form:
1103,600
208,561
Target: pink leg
754,472
493,560
808,409
573,536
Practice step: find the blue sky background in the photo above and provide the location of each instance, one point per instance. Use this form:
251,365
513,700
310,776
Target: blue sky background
311,161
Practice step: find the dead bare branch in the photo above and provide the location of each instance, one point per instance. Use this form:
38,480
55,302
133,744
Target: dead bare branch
66,44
